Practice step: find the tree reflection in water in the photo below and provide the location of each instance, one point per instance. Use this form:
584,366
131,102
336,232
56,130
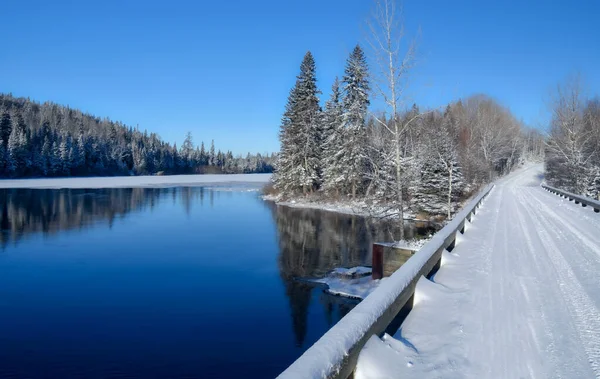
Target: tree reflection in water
48,211
313,242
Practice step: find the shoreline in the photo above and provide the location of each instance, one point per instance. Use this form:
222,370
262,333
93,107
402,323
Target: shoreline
144,181
354,209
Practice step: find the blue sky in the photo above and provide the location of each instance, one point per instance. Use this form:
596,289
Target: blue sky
223,69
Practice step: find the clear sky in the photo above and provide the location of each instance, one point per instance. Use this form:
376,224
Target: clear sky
223,69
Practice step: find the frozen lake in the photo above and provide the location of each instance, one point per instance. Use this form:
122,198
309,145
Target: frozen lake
166,282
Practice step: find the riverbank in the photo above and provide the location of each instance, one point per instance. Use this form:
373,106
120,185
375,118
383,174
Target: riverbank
351,207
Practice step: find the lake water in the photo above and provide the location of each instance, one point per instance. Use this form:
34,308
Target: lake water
166,282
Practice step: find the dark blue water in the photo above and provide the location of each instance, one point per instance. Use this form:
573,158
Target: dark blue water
165,283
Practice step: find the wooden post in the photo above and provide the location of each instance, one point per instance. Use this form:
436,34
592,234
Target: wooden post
377,265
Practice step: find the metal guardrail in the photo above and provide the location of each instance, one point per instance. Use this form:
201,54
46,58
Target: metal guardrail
335,354
584,201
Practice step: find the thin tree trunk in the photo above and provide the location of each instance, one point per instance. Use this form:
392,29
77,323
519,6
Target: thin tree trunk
449,191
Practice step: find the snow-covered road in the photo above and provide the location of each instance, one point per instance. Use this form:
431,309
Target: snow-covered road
519,296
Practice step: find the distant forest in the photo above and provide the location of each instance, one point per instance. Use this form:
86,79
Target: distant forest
53,140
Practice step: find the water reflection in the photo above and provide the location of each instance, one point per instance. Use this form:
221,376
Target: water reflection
49,211
313,242
279,243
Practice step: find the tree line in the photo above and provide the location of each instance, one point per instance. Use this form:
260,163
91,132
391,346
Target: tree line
572,158
346,151
53,140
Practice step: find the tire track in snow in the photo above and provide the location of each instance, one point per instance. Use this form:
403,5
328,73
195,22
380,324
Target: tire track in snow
574,228
548,326
582,257
585,315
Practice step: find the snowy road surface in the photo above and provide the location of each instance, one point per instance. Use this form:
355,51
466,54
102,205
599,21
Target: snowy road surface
136,181
519,296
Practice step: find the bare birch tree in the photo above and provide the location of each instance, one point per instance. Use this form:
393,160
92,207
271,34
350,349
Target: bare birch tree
386,39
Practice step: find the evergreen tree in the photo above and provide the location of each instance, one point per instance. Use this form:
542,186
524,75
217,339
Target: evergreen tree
212,159
299,168
5,127
19,161
441,182
355,103
187,151
65,155
333,139
203,160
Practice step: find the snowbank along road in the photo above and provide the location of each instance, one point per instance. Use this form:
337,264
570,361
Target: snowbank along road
518,297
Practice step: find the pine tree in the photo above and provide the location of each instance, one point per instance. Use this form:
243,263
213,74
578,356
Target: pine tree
300,135
355,104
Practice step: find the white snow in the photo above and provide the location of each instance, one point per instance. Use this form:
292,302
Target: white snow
414,244
355,282
137,181
357,288
352,272
518,297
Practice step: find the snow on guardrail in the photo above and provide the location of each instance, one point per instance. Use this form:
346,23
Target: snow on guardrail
335,354
584,201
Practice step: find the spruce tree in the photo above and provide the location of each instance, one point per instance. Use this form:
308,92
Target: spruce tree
212,159
333,138
299,169
355,104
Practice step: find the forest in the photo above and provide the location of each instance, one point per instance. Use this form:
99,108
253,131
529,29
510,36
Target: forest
39,140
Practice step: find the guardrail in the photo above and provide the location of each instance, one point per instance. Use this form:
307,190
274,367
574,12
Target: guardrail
335,354
584,201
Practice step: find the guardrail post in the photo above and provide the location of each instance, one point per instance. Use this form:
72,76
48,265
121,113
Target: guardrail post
377,263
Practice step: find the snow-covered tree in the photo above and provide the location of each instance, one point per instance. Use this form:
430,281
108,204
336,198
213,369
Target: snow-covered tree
570,151
65,155
333,140
441,182
355,104
212,158
19,160
298,168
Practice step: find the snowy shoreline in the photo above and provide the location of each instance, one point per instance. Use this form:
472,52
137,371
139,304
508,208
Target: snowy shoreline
355,209
135,181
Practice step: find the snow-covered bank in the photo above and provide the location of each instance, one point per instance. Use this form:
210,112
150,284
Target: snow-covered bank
354,283
137,181
357,208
